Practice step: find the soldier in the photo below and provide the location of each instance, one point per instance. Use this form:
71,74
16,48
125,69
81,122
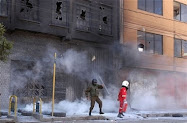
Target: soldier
93,90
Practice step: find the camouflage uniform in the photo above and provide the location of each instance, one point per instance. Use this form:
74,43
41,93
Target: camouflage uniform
93,90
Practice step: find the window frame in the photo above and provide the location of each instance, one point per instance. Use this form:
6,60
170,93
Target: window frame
145,7
154,42
24,15
180,11
56,22
155,8
101,26
86,27
181,47
3,7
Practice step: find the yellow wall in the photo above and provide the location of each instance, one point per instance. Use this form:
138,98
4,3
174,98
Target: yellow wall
135,19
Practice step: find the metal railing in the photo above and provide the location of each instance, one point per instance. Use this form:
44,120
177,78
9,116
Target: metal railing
35,105
14,106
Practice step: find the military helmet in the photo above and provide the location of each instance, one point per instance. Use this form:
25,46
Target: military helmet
94,81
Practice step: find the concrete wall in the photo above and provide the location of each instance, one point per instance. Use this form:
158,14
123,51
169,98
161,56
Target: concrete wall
31,64
4,84
43,18
37,34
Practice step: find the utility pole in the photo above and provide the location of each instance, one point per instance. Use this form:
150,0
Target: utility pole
53,96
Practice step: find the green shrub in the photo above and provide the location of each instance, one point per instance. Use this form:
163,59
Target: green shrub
5,46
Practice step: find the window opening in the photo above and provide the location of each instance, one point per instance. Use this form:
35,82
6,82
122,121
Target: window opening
83,15
29,10
3,8
149,42
58,10
105,22
140,47
180,47
153,6
28,6
176,11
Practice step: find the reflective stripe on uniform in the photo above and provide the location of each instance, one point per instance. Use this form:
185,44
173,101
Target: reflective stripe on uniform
123,95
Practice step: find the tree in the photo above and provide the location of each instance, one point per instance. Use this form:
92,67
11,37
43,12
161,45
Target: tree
5,46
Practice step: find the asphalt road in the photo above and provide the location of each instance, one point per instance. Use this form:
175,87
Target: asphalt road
127,121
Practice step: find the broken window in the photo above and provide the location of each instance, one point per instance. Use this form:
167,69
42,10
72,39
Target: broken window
59,12
83,16
29,10
105,22
149,42
180,11
3,8
141,41
153,6
176,11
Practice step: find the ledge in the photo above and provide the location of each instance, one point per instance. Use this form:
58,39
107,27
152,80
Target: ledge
32,21
61,26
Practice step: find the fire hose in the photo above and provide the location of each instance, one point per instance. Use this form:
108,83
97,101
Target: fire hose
103,85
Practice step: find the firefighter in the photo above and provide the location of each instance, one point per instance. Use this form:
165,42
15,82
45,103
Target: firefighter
93,90
122,98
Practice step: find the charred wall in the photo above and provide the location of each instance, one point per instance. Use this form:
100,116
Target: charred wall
89,20
31,67
37,25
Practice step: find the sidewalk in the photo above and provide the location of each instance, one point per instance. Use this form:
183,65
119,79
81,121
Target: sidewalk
134,115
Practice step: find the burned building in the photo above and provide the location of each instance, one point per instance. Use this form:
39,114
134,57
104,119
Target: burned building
40,28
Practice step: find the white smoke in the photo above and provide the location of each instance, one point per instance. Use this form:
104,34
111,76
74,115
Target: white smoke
78,107
23,76
76,63
73,61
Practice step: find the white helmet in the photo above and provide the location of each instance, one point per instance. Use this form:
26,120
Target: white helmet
125,83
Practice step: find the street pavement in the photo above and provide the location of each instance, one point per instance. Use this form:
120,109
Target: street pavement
131,117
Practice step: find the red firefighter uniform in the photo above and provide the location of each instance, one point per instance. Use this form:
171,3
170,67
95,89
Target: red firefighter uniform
122,99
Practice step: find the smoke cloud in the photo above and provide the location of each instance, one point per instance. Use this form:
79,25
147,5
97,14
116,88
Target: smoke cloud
144,88
75,63
78,107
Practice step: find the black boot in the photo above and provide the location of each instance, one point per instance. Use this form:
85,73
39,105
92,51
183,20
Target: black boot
101,111
119,115
90,112
122,114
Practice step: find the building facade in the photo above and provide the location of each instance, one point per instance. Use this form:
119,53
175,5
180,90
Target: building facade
156,31
39,28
